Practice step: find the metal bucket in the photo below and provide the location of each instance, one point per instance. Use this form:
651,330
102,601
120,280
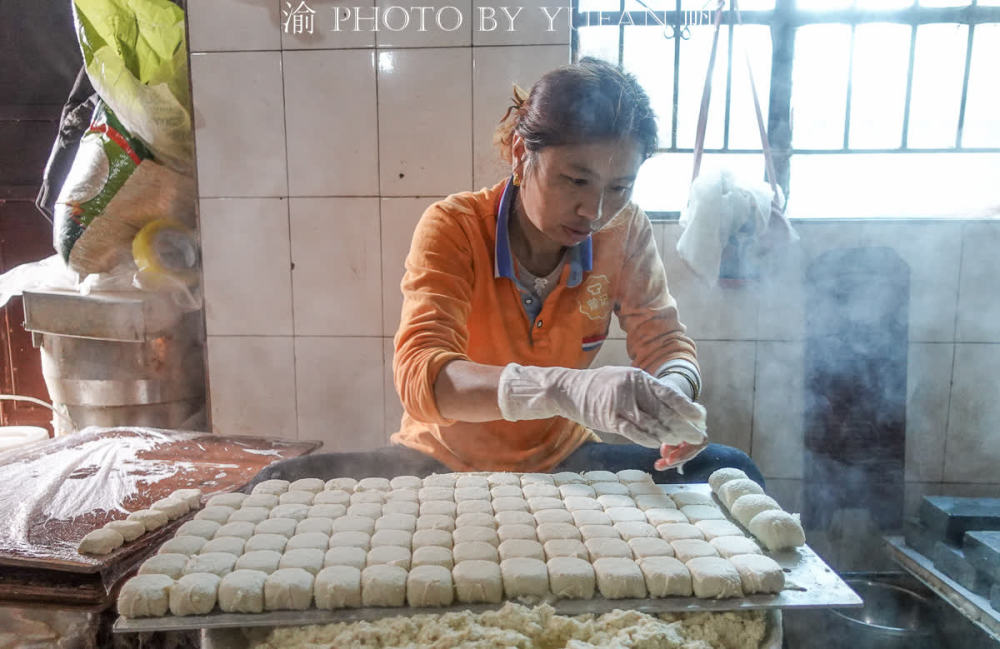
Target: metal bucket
156,382
893,617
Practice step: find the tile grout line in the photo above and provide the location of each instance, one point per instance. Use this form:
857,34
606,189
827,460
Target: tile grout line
206,365
753,400
391,47
472,111
288,224
381,246
753,387
954,356
352,336
316,196
704,340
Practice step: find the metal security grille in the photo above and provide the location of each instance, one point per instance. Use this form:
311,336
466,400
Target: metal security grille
784,21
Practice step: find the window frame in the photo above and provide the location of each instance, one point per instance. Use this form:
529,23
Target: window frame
784,20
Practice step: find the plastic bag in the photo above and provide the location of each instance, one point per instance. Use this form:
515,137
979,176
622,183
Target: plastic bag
49,273
729,224
73,123
723,222
166,257
106,158
136,56
112,191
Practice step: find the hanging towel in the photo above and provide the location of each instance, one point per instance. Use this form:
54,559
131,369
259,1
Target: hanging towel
725,214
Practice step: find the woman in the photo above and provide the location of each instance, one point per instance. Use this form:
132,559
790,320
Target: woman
509,293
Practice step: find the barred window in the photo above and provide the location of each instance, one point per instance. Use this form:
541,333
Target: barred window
875,108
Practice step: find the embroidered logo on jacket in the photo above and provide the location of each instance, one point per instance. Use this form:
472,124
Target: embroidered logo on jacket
594,300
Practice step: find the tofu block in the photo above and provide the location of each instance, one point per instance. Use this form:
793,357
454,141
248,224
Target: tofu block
917,537
982,549
949,518
952,562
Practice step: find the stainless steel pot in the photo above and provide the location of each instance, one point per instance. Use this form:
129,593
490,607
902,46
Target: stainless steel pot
892,617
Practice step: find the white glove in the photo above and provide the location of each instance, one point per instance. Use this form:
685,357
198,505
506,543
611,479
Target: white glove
623,400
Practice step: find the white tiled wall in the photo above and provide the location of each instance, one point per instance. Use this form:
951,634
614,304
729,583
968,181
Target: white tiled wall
729,396
331,122
952,384
318,152
933,254
326,35
425,120
928,390
239,134
447,24
779,407
972,447
495,71
340,389
253,385
520,24
399,219
709,312
978,306
230,25
336,266
245,246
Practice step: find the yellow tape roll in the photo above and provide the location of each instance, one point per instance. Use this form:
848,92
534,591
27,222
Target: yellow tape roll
166,252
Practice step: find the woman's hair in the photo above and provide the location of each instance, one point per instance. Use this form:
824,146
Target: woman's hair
578,103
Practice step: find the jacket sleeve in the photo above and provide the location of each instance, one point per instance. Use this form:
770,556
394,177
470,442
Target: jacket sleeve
437,293
654,336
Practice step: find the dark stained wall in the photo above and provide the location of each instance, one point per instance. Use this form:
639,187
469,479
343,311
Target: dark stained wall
41,59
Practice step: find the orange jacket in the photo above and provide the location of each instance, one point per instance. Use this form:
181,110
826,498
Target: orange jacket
460,302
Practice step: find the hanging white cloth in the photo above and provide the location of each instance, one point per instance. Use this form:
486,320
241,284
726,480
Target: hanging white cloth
723,210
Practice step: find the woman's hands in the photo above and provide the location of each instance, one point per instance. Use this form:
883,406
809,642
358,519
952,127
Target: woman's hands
672,456
622,400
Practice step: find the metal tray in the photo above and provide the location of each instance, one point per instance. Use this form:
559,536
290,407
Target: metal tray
809,583
54,492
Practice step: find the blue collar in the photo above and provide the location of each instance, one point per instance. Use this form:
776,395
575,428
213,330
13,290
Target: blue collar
581,256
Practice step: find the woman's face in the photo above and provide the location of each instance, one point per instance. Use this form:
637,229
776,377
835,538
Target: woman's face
568,192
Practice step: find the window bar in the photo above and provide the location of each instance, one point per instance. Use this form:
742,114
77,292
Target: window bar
756,151
574,37
677,74
783,21
983,149
621,36
779,111
729,84
965,87
850,89
909,89
970,15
